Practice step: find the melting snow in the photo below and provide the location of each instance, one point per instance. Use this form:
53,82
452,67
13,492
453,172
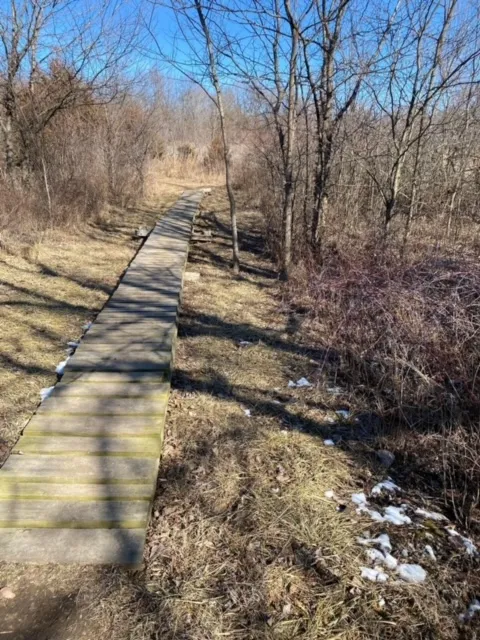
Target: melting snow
61,367
46,392
359,499
329,443
379,557
430,552
73,345
395,515
374,575
303,382
343,413
387,485
473,608
383,541
336,391
329,494
430,515
467,543
87,326
413,573
248,413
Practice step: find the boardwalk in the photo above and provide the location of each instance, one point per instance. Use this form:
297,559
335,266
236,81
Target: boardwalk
78,486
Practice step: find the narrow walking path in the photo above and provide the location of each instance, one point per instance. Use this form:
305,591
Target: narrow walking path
78,486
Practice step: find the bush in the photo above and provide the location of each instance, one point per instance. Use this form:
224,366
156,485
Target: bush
406,334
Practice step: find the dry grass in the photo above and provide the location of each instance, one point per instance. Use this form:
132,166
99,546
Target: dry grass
243,543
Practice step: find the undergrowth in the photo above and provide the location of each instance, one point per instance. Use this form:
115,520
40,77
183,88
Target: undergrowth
402,334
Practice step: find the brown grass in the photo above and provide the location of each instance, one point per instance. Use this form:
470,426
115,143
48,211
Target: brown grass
243,543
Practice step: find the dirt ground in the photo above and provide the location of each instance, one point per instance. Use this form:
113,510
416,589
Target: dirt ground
243,542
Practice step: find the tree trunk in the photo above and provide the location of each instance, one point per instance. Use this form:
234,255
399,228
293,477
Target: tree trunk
291,131
226,148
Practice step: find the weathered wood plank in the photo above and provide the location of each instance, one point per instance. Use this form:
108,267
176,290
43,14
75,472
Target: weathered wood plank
104,405
96,388
121,360
161,312
118,377
10,490
76,514
73,546
147,447
81,469
96,426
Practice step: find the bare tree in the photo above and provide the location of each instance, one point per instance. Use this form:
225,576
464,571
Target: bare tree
425,57
196,30
56,54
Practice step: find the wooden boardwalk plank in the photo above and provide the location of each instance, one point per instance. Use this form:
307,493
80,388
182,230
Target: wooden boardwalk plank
147,447
73,546
10,490
114,389
104,405
81,469
125,360
96,426
142,331
74,514
117,377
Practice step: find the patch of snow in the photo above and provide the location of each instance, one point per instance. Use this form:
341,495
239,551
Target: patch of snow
336,391
430,552
343,413
395,515
61,367
376,516
46,392
374,575
381,603
303,382
329,443
379,557
73,345
473,608
244,343
248,413
329,494
430,515
359,499
291,384
405,553
467,543
276,402
87,326
375,556
387,485
383,541
390,562
412,573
